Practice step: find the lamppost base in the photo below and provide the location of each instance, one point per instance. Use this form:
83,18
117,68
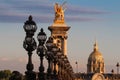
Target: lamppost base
41,76
30,75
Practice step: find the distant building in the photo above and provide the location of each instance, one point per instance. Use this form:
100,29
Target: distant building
95,61
96,68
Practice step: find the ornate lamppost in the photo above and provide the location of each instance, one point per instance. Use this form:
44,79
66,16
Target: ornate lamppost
55,50
112,71
49,56
29,45
67,69
117,65
41,53
62,66
59,54
65,62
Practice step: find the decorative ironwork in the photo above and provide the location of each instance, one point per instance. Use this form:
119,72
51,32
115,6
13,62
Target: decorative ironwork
29,45
41,53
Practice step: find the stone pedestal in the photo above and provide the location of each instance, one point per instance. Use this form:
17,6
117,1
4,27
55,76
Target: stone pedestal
59,34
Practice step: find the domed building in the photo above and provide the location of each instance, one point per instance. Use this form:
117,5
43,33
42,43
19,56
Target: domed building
95,61
96,68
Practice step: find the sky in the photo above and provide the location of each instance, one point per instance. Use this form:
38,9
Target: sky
89,20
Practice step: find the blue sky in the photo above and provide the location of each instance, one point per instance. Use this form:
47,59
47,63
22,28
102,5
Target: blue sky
89,19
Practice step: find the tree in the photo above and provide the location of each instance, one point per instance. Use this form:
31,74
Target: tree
5,74
16,76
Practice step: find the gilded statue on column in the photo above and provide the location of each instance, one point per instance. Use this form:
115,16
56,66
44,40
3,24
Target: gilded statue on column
59,13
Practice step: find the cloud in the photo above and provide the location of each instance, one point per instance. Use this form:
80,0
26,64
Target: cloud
42,11
4,59
81,19
82,10
22,60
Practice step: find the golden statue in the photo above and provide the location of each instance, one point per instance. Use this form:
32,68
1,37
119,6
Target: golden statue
59,13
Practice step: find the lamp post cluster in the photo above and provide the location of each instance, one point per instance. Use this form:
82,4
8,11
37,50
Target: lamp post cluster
59,67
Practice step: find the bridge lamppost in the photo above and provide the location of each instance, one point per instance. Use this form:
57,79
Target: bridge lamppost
55,50
112,71
117,65
49,56
62,66
29,45
41,53
65,66
59,54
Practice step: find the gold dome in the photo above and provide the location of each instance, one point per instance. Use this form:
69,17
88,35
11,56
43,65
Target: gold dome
95,61
95,55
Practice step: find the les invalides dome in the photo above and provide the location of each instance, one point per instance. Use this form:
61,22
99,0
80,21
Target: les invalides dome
95,61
